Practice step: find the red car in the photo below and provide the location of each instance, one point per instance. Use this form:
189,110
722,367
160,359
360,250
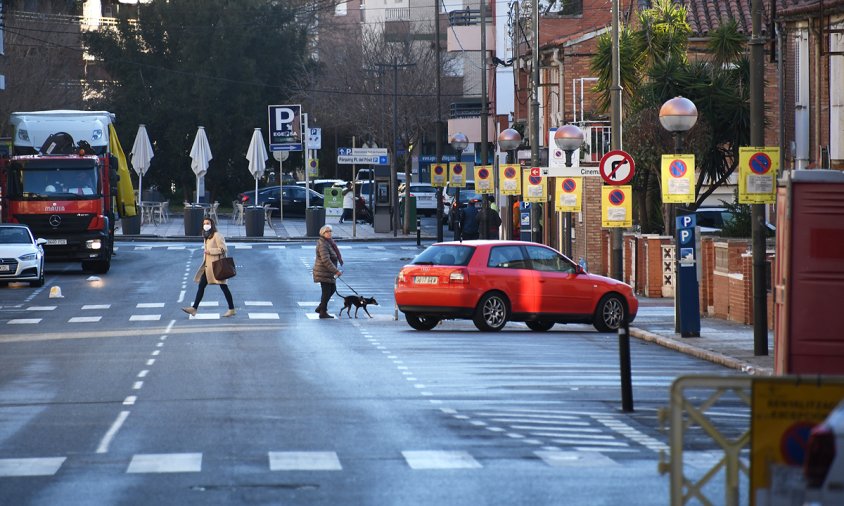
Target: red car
493,282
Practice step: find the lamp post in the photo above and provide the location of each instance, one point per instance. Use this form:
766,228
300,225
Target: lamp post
459,142
509,140
568,138
678,115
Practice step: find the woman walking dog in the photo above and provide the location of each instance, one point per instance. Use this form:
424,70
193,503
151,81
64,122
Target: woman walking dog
214,249
326,268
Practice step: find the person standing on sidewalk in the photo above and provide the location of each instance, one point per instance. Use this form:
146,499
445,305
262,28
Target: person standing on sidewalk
348,203
214,249
326,268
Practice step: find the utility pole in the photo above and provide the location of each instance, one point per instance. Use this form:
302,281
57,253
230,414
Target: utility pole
394,169
615,133
439,124
757,139
534,119
484,116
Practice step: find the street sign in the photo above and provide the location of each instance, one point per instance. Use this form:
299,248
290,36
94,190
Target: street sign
314,138
363,160
370,151
285,127
617,167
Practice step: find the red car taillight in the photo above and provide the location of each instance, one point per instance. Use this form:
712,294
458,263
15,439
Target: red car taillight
460,277
820,453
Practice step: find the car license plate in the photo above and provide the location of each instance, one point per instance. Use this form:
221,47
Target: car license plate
4,268
56,242
425,280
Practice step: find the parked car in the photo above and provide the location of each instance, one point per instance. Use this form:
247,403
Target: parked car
823,467
21,255
320,185
450,205
294,199
426,197
493,282
711,219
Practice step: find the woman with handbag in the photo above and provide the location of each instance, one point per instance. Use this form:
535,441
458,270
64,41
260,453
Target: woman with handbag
326,268
214,249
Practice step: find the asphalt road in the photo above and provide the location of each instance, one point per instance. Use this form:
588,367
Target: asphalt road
112,395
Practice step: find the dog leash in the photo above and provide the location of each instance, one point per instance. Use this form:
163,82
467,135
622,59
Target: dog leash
347,285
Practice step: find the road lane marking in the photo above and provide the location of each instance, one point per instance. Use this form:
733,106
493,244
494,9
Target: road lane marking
304,461
440,460
165,463
46,466
112,431
574,459
23,321
257,303
144,317
137,385
206,316
142,305
87,307
85,319
143,373
41,308
130,400
264,316
209,303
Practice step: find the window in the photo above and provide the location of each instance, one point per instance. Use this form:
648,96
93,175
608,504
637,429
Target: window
544,259
507,257
445,255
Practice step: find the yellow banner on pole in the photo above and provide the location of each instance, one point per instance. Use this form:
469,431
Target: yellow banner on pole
758,169
535,187
678,179
569,194
439,174
457,174
484,182
510,179
617,206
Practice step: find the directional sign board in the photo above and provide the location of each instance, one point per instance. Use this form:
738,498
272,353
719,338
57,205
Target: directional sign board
363,160
617,167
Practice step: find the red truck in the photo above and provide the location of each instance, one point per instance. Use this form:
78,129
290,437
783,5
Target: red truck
66,189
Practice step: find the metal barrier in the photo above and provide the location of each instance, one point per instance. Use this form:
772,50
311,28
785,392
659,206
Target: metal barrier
683,414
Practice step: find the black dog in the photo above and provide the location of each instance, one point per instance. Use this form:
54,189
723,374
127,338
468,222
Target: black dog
358,302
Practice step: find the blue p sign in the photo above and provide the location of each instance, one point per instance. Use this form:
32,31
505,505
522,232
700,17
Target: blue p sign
685,236
687,221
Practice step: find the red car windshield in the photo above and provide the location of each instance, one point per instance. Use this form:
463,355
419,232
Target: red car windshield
445,255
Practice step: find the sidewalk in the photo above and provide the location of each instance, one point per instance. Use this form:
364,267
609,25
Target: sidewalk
724,342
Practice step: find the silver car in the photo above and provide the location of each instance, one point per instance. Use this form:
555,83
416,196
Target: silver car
21,255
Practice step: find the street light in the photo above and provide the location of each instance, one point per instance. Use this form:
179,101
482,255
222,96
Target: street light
678,115
459,142
568,138
509,140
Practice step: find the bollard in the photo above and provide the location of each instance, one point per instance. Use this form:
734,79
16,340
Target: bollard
418,231
624,359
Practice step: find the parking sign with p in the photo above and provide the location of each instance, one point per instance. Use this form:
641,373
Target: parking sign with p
285,127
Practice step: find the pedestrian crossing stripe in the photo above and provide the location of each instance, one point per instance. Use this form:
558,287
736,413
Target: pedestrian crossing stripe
166,463
304,461
427,459
45,466
85,319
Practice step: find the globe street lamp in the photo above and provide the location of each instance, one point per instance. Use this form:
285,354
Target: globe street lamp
678,115
459,142
509,140
568,138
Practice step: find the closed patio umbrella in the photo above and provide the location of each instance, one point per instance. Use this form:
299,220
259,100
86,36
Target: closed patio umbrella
257,156
200,154
141,156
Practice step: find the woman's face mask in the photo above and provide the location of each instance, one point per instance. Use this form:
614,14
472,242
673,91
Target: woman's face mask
206,227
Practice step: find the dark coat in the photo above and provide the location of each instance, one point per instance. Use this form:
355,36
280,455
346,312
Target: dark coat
215,249
325,265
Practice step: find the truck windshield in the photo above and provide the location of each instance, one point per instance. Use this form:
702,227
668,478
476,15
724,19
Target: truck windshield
45,182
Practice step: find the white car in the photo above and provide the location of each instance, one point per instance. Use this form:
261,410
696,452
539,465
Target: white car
21,255
426,198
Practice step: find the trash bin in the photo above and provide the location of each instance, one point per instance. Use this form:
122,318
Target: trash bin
411,227
254,218
193,220
314,220
131,225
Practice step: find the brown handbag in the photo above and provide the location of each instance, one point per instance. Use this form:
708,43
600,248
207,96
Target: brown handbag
224,268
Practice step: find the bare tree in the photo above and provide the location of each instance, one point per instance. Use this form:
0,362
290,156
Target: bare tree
43,63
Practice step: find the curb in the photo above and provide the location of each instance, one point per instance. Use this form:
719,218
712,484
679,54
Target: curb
711,356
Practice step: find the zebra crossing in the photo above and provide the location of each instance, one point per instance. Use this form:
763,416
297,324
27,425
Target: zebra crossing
94,313
279,461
